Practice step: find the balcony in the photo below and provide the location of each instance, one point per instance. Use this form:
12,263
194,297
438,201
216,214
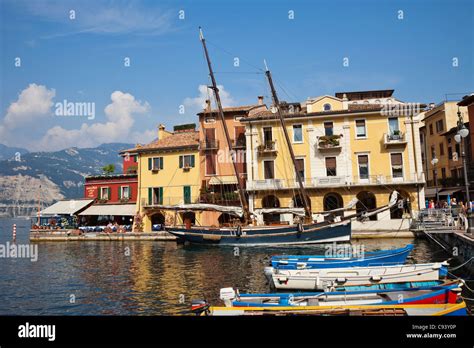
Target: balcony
239,143
267,184
226,198
329,181
267,148
395,138
329,142
209,145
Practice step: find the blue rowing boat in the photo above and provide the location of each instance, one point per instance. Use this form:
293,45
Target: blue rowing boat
375,258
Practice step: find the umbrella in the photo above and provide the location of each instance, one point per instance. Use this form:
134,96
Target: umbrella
449,199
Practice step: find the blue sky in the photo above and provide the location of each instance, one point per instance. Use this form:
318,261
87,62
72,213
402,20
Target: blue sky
82,59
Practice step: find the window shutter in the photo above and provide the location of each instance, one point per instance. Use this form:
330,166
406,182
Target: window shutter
119,192
160,199
363,159
192,161
108,193
396,159
330,162
150,163
181,161
161,162
150,196
99,193
130,192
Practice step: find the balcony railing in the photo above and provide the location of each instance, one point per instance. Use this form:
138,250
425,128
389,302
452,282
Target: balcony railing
207,145
226,198
267,147
239,143
335,181
396,138
329,142
168,201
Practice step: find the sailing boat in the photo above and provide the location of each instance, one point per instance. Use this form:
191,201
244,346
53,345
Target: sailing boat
336,229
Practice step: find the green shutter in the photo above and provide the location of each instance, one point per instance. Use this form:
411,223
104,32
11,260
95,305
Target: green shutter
192,161
181,161
161,162
98,193
130,192
150,196
109,196
161,195
187,194
119,192
150,163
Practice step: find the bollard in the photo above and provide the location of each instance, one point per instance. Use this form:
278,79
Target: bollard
14,232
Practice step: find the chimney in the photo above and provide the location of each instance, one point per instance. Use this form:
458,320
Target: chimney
208,106
260,100
161,131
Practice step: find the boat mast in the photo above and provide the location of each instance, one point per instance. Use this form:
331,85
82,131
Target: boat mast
276,102
243,198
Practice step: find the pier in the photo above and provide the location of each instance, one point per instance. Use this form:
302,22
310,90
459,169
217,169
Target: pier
77,235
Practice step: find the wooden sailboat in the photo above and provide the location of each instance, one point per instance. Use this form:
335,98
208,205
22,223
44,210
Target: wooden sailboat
245,234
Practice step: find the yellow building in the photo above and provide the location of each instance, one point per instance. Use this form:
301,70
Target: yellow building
437,138
358,144
168,175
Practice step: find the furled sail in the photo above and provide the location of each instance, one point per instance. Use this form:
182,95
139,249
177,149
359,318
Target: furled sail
233,210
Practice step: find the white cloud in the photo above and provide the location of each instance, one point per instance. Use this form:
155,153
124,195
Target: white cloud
33,103
120,119
198,103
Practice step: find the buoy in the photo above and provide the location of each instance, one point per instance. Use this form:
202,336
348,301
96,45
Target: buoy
14,232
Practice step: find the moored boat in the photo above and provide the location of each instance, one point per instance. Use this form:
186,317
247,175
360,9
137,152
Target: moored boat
449,292
449,309
321,279
376,258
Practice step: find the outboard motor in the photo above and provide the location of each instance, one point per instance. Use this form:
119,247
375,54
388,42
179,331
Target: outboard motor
227,295
199,307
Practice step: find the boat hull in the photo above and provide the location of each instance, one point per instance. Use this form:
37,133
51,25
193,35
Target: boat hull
385,257
322,279
287,235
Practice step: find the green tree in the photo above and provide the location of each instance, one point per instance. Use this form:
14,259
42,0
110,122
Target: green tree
108,169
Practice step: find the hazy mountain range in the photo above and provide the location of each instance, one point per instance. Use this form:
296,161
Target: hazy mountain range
60,174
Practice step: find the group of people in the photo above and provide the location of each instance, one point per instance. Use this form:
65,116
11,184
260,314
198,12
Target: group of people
453,204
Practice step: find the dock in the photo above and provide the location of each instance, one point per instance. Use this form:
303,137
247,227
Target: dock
76,235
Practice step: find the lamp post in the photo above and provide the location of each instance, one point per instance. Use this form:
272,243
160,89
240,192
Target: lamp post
460,138
434,162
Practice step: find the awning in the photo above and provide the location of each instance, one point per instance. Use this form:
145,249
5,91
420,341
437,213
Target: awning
68,207
223,180
110,209
449,192
430,192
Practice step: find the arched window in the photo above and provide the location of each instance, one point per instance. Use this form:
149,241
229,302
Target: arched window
366,202
333,200
269,202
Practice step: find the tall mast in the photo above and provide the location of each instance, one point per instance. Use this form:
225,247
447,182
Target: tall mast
243,198
276,102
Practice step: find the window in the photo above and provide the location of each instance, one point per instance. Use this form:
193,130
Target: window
155,163
331,166
433,152
209,119
431,129
439,126
458,150
239,136
328,128
397,165
210,138
186,161
124,192
360,129
454,173
363,166
210,164
155,195
443,173
135,158
441,149
327,107
297,133
187,194
450,152
104,193
268,168
267,136
300,167
393,125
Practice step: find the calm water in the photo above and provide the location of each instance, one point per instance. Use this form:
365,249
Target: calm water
150,281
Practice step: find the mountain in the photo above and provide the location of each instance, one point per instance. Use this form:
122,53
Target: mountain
7,152
60,175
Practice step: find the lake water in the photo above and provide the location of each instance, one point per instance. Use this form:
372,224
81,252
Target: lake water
141,278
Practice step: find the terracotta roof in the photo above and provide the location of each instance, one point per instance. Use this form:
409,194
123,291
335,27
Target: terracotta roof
270,115
467,100
178,140
242,108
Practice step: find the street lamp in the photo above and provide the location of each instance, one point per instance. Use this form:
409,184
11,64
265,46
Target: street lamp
434,162
462,133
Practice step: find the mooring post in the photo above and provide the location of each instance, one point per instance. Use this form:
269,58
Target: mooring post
14,232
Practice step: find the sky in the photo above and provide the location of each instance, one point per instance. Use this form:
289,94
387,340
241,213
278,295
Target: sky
137,64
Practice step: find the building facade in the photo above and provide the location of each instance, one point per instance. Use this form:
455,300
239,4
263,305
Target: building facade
343,150
168,172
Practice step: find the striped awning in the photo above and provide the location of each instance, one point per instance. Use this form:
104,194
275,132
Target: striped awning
223,180
67,207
